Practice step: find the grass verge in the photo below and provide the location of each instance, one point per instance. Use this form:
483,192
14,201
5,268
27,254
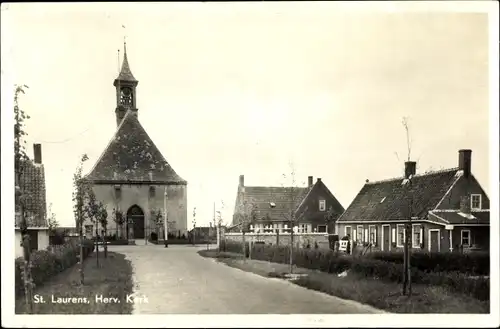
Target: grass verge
380,294
112,279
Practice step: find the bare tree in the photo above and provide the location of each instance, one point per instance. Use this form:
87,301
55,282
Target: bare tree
158,222
79,191
407,248
103,220
52,221
119,219
20,161
92,210
405,122
247,215
293,196
218,224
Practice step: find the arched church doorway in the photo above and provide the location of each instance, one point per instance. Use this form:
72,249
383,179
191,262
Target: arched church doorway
135,222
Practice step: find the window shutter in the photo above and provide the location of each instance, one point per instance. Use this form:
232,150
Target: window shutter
354,235
366,235
393,235
421,235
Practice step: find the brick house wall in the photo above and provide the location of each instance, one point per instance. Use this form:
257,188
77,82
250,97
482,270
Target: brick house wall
140,195
464,187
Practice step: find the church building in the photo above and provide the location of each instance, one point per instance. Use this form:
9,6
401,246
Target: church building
131,177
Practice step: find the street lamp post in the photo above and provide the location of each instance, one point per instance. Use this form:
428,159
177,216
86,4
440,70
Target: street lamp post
194,226
165,217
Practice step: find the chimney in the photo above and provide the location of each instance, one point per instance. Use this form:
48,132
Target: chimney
242,180
310,181
318,179
410,168
37,151
465,204
464,160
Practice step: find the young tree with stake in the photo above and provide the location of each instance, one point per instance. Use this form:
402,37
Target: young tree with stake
119,219
293,197
103,220
407,182
20,160
93,211
247,216
79,191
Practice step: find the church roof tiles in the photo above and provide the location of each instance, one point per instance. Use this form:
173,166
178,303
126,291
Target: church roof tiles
131,156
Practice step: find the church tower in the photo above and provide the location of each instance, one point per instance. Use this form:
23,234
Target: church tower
125,85
133,179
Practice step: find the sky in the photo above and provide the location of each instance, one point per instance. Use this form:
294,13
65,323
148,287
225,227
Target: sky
229,89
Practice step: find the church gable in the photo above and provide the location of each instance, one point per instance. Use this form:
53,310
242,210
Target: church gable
132,156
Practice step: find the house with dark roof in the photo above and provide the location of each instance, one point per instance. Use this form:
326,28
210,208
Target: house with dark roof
448,210
132,176
270,208
32,185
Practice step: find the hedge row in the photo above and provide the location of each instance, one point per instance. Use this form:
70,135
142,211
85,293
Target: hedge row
47,263
334,262
477,263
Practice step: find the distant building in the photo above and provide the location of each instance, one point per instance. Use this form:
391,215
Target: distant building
131,176
449,210
35,206
269,208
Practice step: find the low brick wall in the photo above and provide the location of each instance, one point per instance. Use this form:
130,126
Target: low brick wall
300,239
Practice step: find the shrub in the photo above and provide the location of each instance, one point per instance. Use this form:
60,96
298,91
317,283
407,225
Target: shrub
473,263
118,242
154,236
47,263
56,239
370,267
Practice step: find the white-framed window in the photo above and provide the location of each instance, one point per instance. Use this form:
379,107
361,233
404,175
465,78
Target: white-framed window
322,229
348,231
475,201
401,236
152,191
118,192
322,205
359,237
303,228
465,238
416,233
373,234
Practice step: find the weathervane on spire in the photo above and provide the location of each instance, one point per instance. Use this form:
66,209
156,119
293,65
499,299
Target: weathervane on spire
124,35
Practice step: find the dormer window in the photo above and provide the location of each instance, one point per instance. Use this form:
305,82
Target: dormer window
475,202
322,205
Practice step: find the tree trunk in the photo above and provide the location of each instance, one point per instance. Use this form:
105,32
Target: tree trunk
97,243
291,249
244,246
25,238
105,243
405,261
80,229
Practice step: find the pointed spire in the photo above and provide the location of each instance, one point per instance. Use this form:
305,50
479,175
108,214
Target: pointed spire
125,73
